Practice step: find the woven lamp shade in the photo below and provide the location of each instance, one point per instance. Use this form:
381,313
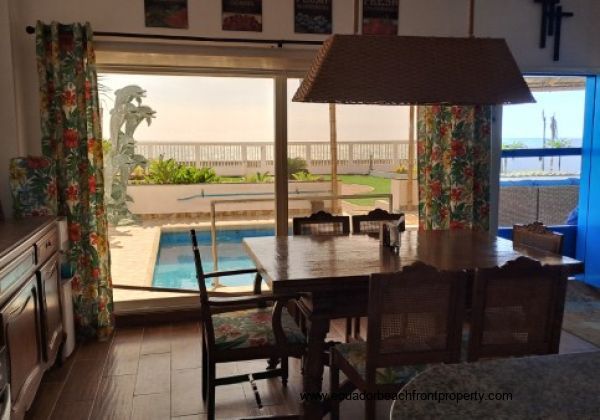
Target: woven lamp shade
408,70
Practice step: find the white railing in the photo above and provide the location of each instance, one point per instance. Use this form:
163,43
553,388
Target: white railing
243,158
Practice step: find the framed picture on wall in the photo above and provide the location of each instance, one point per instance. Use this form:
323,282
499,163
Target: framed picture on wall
380,17
166,13
312,16
242,15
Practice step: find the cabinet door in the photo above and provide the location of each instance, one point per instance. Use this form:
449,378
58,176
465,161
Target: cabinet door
23,339
51,314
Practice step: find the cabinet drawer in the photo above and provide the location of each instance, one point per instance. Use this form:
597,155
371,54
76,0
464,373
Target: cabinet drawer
16,270
49,287
47,246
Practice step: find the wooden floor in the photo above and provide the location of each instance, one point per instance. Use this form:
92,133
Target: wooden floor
154,373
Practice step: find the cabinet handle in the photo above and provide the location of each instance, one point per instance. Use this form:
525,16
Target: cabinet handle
20,309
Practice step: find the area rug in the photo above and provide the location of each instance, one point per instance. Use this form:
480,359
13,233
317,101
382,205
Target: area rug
582,311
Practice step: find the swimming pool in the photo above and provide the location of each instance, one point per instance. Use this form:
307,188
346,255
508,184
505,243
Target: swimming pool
175,262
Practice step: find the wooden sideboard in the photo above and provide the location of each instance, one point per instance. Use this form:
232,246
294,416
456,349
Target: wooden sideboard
30,307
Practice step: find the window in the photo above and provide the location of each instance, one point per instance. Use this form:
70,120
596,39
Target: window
372,153
207,144
204,157
541,156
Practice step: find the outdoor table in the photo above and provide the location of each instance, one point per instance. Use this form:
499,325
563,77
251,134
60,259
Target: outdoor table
334,272
515,388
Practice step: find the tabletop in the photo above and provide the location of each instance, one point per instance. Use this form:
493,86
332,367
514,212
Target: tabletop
301,263
524,388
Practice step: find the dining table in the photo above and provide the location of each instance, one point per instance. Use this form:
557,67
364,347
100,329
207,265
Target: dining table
514,388
332,274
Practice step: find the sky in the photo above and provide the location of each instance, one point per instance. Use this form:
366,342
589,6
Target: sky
234,109
525,121
241,109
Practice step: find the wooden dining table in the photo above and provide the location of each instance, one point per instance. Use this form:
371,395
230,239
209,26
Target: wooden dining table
332,273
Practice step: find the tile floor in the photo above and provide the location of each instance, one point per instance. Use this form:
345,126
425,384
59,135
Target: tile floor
154,373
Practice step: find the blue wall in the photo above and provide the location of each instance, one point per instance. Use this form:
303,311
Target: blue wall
588,232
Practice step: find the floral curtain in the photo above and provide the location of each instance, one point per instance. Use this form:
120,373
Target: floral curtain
33,186
72,137
453,148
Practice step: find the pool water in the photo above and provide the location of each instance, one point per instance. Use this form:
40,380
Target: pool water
175,261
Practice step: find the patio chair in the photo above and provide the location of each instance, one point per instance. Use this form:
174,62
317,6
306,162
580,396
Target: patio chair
415,318
321,223
242,328
536,235
517,310
369,223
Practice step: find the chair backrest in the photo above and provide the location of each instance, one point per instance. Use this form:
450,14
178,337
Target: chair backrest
369,223
205,310
536,235
322,223
415,316
199,270
517,309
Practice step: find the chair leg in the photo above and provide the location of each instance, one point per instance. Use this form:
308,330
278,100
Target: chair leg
272,363
210,400
348,330
334,376
284,371
356,332
370,408
204,371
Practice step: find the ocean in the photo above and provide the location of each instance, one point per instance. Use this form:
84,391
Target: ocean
565,165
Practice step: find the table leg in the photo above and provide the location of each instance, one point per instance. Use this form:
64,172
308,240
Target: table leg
313,367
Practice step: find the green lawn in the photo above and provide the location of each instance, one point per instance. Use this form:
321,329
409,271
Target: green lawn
379,185
231,179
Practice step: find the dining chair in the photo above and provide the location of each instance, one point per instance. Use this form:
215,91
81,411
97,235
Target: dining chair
242,327
370,222
321,223
536,235
415,318
517,310
364,224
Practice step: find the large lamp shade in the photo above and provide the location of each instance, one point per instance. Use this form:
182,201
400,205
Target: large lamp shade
408,70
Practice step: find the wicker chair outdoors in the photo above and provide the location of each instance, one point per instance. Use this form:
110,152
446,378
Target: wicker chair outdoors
321,223
536,235
415,317
241,328
517,310
369,223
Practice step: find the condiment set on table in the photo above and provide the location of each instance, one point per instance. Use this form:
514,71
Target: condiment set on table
390,234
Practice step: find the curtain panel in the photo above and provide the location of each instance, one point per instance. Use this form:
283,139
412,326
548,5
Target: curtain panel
72,137
453,153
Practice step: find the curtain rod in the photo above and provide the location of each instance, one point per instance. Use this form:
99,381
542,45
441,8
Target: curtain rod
279,42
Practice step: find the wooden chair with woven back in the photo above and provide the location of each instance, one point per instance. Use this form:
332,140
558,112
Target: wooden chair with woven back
243,327
536,235
517,310
369,224
415,318
321,223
